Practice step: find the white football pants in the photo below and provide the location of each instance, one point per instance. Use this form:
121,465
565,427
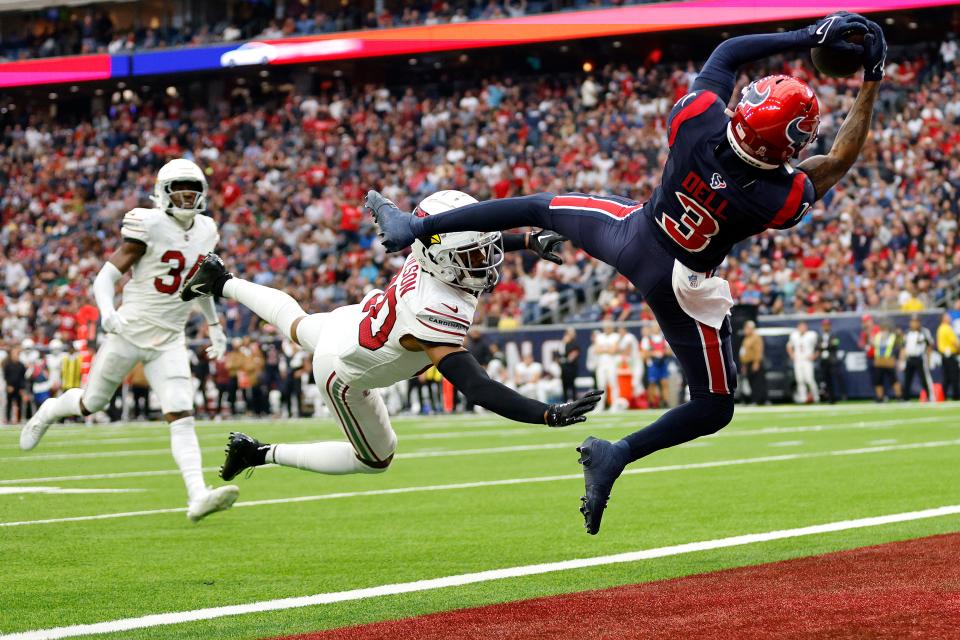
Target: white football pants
806,380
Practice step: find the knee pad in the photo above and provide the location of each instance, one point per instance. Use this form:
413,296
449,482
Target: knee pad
716,411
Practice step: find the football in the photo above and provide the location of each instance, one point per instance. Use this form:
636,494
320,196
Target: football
835,63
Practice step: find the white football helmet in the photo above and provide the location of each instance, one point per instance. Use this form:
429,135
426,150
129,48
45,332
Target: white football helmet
181,190
465,259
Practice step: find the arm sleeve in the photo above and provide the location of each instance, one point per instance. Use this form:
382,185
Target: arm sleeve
719,73
105,286
466,374
208,308
514,242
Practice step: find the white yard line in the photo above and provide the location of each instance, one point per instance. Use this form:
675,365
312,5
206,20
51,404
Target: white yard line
725,433
484,420
507,481
180,617
443,453
440,453
103,476
430,453
60,490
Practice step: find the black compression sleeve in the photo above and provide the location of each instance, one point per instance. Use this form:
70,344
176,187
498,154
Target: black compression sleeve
514,242
465,373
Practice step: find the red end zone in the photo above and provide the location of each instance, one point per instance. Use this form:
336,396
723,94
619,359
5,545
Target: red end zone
902,589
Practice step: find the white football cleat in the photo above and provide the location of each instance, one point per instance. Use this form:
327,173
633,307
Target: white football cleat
219,499
36,426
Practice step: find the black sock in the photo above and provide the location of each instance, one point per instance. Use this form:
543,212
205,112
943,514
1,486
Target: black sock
218,284
260,457
701,416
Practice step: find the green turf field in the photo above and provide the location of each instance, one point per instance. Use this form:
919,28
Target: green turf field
770,469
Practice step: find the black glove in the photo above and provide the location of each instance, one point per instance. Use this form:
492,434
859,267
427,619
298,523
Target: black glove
875,52
834,30
546,244
567,413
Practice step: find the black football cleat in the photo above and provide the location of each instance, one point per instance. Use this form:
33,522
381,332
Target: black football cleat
395,230
207,280
243,452
602,465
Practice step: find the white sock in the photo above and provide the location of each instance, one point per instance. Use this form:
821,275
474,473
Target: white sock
275,306
186,451
63,406
332,458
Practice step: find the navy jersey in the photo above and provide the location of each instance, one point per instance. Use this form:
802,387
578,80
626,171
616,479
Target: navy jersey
708,199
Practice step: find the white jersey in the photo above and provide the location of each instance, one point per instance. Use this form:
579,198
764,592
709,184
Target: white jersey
525,373
605,343
415,303
151,305
629,347
804,344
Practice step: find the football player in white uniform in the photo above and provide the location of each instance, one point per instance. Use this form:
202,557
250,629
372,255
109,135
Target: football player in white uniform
162,246
421,319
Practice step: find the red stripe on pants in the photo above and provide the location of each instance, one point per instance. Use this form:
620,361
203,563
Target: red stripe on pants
610,207
714,354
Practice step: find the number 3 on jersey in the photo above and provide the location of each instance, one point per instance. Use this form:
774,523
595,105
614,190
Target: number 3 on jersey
369,337
177,262
695,227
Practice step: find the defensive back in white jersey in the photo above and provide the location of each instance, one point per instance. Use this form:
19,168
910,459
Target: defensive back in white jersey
154,312
366,336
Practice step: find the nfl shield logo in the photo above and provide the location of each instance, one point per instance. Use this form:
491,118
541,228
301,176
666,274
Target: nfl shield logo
716,182
694,280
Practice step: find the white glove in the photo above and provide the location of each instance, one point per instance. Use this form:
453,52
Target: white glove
218,342
112,322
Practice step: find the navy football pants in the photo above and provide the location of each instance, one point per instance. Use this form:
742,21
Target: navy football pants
616,231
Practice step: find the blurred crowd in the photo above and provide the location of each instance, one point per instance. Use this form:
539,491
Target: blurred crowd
61,31
288,172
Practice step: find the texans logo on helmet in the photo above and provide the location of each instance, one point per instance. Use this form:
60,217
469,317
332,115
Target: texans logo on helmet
755,98
797,136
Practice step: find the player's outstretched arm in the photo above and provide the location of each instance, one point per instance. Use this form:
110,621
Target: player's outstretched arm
825,171
464,372
719,72
105,284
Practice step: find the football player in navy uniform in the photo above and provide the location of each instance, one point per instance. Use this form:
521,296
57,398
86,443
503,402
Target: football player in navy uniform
728,176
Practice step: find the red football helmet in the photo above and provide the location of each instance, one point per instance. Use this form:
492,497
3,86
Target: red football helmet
776,118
